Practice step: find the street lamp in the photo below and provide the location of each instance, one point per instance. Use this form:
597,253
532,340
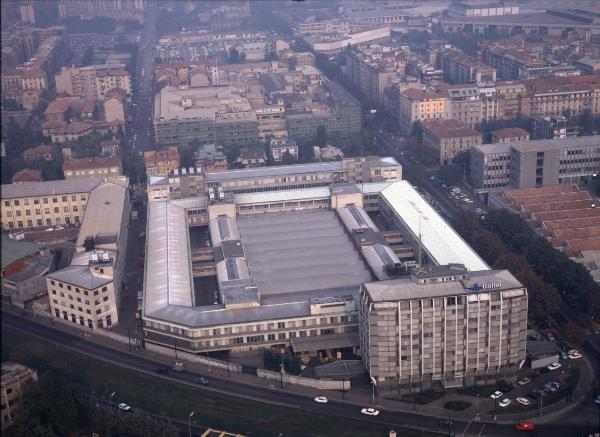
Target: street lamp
374,383
110,398
190,423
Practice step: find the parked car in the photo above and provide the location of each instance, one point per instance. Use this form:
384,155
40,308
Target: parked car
523,401
321,399
504,403
124,407
505,387
163,370
497,394
573,355
554,366
524,381
370,411
533,375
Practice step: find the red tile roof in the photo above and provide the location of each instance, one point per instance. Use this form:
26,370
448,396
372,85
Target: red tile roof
27,175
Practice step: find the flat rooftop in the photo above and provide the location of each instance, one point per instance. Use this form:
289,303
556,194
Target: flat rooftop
439,240
407,288
274,171
300,251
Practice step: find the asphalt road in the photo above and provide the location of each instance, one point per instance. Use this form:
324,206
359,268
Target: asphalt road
275,395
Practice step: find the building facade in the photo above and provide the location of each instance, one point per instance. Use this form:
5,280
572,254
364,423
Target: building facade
443,325
16,379
449,138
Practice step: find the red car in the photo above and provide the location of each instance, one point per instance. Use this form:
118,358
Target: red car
525,426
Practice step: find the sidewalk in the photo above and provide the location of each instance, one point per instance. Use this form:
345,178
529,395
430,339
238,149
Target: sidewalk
360,396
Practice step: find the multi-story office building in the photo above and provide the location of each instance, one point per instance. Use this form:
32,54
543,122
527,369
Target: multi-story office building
16,379
535,163
449,138
490,166
552,162
92,8
93,82
211,115
88,292
443,325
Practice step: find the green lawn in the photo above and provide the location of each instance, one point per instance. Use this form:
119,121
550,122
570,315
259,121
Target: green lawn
457,405
177,400
422,398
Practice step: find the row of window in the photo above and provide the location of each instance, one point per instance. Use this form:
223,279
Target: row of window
45,200
82,321
36,211
39,222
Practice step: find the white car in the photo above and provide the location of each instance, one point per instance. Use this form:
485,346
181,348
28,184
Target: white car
554,366
504,403
124,407
370,411
524,381
321,399
573,354
496,395
523,401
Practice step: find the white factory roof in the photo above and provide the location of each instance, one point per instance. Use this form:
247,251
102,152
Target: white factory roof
373,187
223,229
282,196
168,265
104,210
439,239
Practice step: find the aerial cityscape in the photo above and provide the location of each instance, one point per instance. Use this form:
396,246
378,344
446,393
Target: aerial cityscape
248,218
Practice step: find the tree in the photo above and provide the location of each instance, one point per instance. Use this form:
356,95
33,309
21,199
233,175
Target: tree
573,333
234,56
50,408
321,139
451,174
88,56
287,158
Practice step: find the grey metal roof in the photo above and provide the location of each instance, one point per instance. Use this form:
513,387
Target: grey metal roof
556,144
334,341
355,217
104,211
168,278
80,276
407,288
49,188
290,252
378,256
282,195
281,170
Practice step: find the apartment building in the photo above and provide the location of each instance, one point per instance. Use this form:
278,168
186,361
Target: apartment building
16,379
444,325
88,292
161,162
210,158
449,138
43,151
419,105
373,69
460,68
93,82
553,127
509,135
38,204
98,166
535,163
279,147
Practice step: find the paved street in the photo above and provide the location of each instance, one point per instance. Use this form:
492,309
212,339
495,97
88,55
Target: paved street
393,413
